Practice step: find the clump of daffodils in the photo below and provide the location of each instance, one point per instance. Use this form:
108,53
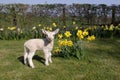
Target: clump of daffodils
65,43
82,34
67,46
91,38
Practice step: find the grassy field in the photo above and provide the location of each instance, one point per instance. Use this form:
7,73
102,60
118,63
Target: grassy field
101,62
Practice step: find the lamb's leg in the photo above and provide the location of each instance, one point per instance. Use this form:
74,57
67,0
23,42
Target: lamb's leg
46,53
30,56
25,56
50,60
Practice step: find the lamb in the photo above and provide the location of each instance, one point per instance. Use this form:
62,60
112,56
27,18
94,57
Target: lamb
46,45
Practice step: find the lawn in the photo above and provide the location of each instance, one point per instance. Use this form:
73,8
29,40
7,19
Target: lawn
101,62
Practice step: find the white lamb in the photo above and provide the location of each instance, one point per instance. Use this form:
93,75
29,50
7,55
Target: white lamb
46,45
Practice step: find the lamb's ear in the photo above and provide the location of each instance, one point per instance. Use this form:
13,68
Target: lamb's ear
44,31
56,31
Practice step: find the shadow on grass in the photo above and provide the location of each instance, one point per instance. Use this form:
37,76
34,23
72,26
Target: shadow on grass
36,57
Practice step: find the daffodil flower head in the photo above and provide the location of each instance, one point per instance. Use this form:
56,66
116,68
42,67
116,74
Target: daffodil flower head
85,33
60,36
54,24
67,34
11,28
90,38
73,22
33,28
57,50
76,27
70,43
111,27
39,25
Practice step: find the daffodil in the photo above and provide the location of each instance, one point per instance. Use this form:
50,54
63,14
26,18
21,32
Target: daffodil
39,25
90,38
33,28
79,32
57,50
106,27
65,43
74,22
60,43
60,36
11,28
76,27
67,34
48,28
93,37
94,27
70,43
64,26
54,25
81,37
111,27
85,33
1,29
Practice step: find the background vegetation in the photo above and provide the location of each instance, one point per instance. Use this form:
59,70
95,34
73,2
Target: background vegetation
22,15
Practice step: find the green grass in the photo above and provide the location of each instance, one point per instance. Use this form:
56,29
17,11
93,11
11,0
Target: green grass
101,62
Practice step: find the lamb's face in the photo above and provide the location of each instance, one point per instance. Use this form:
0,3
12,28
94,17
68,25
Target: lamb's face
50,35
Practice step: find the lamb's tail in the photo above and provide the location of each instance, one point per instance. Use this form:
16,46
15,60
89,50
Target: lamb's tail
26,52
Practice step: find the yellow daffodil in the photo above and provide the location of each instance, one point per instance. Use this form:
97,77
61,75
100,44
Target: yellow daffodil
111,27
34,28
54,25
73,22
94,27
81,37
90,38
39,25
48,28
64,26
60,36
79,32
106,27
1,29
67,34
86,29
60,43
57,50
85,33
11,28
76,27
93,37
70,43
65,43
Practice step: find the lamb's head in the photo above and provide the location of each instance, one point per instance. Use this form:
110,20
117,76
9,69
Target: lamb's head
50,35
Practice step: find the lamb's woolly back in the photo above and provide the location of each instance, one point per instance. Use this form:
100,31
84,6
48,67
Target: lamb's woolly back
46,45
38,44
